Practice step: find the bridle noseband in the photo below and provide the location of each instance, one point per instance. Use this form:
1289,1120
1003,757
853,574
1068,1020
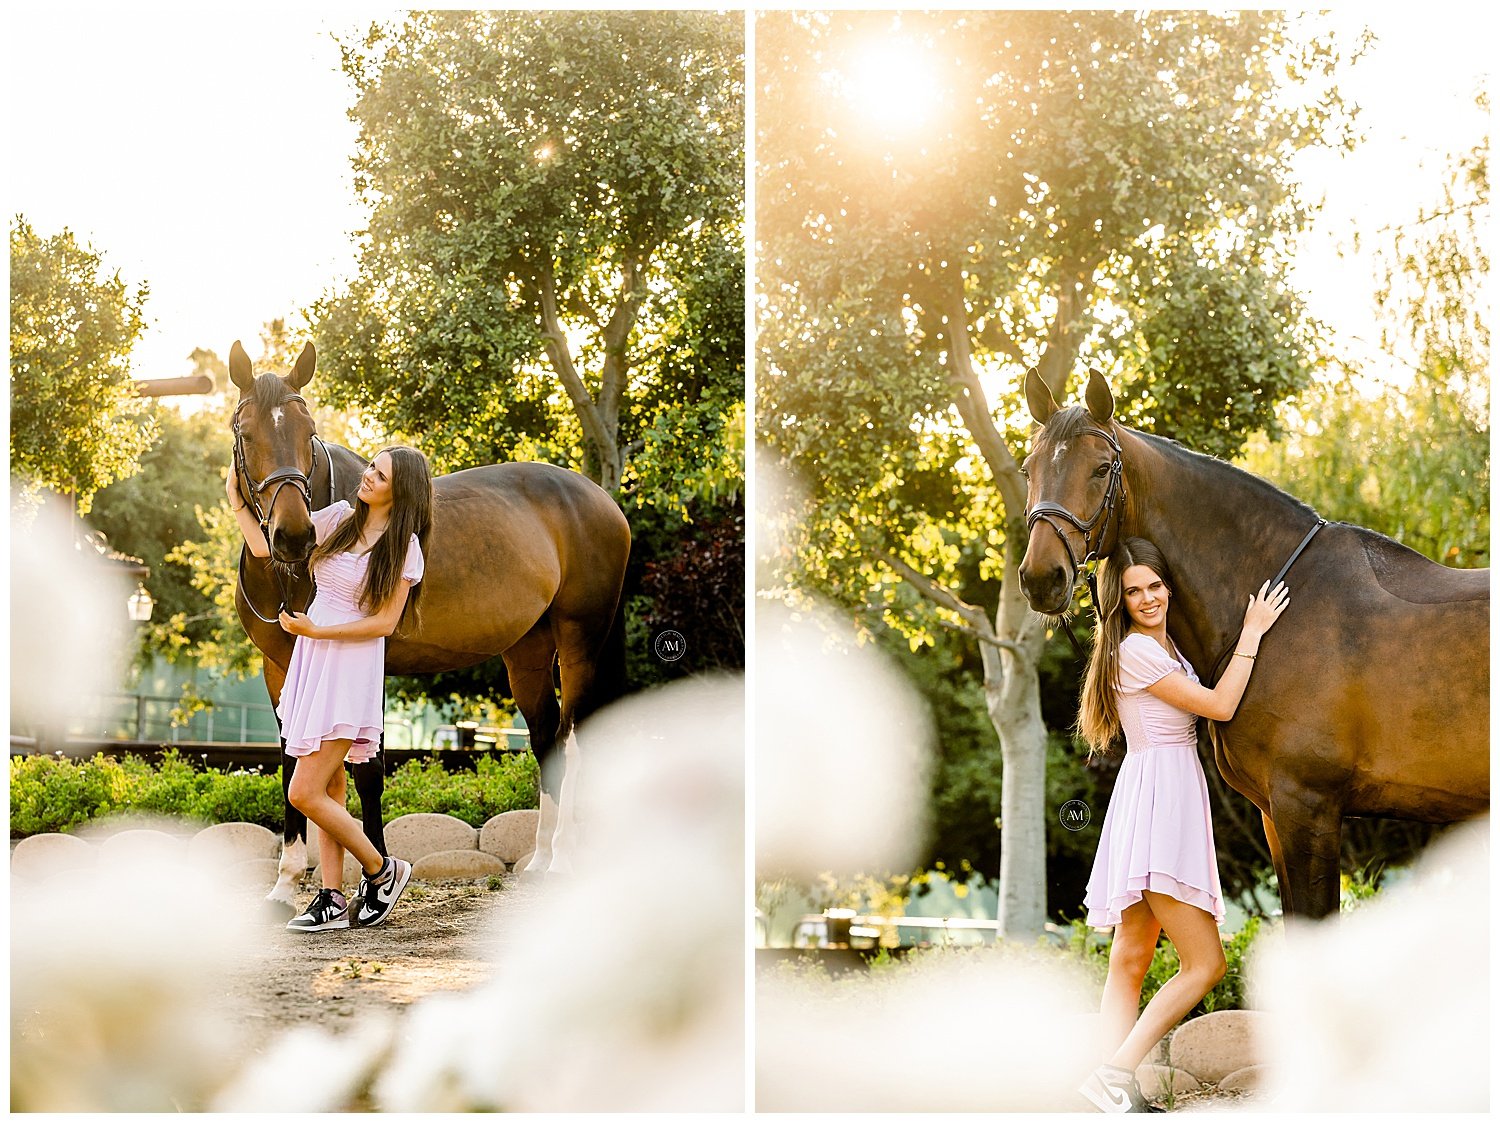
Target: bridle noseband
281,477
1113,503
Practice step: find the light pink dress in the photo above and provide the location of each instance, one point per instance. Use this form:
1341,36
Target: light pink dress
335,689
1157,833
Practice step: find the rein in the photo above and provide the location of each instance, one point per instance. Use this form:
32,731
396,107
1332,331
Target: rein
1113,503
281,477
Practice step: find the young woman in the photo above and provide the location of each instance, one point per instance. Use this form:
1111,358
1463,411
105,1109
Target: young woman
368,563
1155,868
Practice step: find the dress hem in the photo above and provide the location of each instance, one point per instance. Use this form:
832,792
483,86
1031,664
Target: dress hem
1157,881
366,742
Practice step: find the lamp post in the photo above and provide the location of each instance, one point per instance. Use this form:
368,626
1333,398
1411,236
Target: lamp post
140,605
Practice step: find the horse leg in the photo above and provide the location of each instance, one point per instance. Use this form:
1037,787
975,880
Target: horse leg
1307,825
529,665
579,643
294,849
1278,860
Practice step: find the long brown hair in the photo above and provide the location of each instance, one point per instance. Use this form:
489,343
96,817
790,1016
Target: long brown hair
1098,704
411,513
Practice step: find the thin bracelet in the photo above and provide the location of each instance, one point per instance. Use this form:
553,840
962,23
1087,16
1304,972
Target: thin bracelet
1242,655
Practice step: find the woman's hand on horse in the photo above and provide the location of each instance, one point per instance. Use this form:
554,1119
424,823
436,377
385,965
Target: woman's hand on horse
232,489
298,624
1266,607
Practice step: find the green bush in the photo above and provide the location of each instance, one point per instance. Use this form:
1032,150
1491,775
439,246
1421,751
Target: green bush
1229,994
50,794
508,783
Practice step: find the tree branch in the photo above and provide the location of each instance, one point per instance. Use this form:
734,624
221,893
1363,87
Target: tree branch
978,623
556,345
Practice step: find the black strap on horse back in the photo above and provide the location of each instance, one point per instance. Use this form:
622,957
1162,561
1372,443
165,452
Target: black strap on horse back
1281,573
1297,553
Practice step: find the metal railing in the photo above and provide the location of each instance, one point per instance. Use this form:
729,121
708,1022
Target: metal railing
148,717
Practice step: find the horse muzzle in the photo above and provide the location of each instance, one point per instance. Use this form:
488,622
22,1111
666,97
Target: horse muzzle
1046,582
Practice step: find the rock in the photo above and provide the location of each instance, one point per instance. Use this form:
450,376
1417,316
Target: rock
144,846
1160,1051
520,863
235,842
121,822
415,836
457,863
1157,1081
43,855
1213,1046
510,834
255,875
1247,1079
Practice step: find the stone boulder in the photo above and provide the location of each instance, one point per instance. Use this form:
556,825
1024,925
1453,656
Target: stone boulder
1247,1079
141,845
456,863
1157,1081
510,834
45,855
235,842
415,836
1213,1046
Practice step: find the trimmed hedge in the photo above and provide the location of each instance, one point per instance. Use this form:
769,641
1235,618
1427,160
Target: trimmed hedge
52,794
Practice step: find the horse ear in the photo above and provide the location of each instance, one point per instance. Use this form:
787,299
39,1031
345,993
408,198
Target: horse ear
239,368
1039,397
307,362
1100,401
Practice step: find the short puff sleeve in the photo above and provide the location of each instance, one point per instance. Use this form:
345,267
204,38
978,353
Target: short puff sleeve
1143,663
326,520
415,564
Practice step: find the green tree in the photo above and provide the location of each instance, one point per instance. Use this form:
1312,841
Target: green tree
554,263
1105,188
76,422
1411,460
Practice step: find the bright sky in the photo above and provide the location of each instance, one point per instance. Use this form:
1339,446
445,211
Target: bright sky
206,151
203,150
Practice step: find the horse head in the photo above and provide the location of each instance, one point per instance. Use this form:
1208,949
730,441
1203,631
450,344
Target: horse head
275,452
1075,491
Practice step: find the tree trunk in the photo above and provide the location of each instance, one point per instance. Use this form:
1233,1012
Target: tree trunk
1013,696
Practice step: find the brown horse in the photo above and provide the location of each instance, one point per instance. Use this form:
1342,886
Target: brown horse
1370,696
524,560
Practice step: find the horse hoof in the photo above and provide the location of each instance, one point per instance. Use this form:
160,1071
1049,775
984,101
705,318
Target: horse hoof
277,912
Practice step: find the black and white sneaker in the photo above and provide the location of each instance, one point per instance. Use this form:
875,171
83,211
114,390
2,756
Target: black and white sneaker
1110,1090
378,895
328,910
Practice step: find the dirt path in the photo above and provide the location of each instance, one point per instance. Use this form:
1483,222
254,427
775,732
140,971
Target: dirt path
443,936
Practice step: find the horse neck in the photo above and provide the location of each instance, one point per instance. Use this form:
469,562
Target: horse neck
344,468
1222,531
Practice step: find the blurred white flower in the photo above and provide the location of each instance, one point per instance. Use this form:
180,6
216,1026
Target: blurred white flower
309,1069
117,995
1386,1008
841,751
979,1029
623,989
69,629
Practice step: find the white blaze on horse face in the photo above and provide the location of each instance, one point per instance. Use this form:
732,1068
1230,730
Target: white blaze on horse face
1059,452
277,416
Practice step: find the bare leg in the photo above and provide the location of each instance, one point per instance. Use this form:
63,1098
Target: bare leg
330,852
1130,954
309,794
1196,938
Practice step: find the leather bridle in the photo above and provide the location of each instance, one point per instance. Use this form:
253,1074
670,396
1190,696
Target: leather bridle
1106,516
252,493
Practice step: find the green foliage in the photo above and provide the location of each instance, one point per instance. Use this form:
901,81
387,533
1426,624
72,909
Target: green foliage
76,423
554,265
1092,948
508,783
1410,460
51,794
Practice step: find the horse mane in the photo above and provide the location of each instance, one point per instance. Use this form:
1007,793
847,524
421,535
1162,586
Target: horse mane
270,391
1070,421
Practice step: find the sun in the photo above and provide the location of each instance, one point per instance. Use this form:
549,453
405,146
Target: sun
892,85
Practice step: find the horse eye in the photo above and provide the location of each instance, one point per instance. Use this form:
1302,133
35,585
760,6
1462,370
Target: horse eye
1102,470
